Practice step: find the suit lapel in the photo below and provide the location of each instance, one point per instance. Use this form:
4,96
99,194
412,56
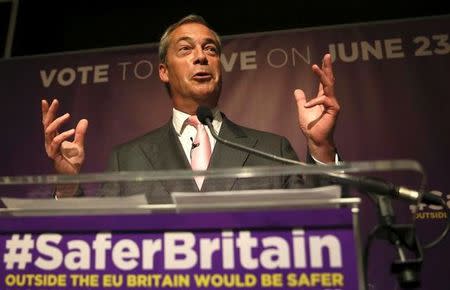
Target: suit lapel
224,156
164,152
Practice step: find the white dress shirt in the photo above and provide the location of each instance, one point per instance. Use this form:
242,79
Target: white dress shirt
187,133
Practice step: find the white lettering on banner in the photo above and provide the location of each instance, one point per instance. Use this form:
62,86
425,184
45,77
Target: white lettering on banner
143,69
276,253
247,60
279,57
101,243
276,57
84,73
305,58
125,254
228,65
149,249
281,60
47,78
374,50
394,48
101,73
245,242
438,44
228,250
317,245
79,256
379,49
176,251
298,243
55,256
124,69
208,247
67,76
18,251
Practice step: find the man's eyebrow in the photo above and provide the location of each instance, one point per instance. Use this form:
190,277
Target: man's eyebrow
184,38
190,40
211,40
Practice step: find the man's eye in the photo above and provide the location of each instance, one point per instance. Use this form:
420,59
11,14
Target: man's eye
211,49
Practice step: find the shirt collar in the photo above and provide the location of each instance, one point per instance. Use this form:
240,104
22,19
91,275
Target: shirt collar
179,118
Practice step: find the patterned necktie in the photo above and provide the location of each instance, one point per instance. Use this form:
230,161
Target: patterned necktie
201,149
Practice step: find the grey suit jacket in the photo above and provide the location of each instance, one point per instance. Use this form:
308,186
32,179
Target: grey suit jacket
162,150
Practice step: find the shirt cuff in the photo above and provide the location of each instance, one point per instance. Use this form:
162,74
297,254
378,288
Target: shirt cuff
336,160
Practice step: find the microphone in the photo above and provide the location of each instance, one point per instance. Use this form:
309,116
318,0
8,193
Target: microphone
372,185
193,145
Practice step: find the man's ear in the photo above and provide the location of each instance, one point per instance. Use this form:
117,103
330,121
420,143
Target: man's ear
163,73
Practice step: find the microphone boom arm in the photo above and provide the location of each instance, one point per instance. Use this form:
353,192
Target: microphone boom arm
361,183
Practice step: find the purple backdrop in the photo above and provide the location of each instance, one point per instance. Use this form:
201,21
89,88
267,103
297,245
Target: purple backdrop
391,80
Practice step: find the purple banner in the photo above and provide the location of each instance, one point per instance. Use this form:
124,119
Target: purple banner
272,250
391,81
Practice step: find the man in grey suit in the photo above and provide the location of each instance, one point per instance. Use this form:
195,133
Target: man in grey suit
190,68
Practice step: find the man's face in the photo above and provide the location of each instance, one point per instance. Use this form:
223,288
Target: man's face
192,68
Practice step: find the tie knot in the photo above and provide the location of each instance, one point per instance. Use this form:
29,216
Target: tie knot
193,121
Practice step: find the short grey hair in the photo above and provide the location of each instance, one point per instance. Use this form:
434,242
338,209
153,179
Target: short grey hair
165,38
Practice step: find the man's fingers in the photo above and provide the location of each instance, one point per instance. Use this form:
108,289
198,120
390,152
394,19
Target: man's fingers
322,100
70,149
330,104
324,79
54,126
325,73
50,113
44,108
80,132
53,148
327,67
300,96
320,91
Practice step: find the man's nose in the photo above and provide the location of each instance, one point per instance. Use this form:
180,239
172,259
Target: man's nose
200,56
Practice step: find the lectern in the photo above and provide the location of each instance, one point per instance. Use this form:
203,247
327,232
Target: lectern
260,237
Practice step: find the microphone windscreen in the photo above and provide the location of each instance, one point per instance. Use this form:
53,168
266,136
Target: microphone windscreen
204,113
